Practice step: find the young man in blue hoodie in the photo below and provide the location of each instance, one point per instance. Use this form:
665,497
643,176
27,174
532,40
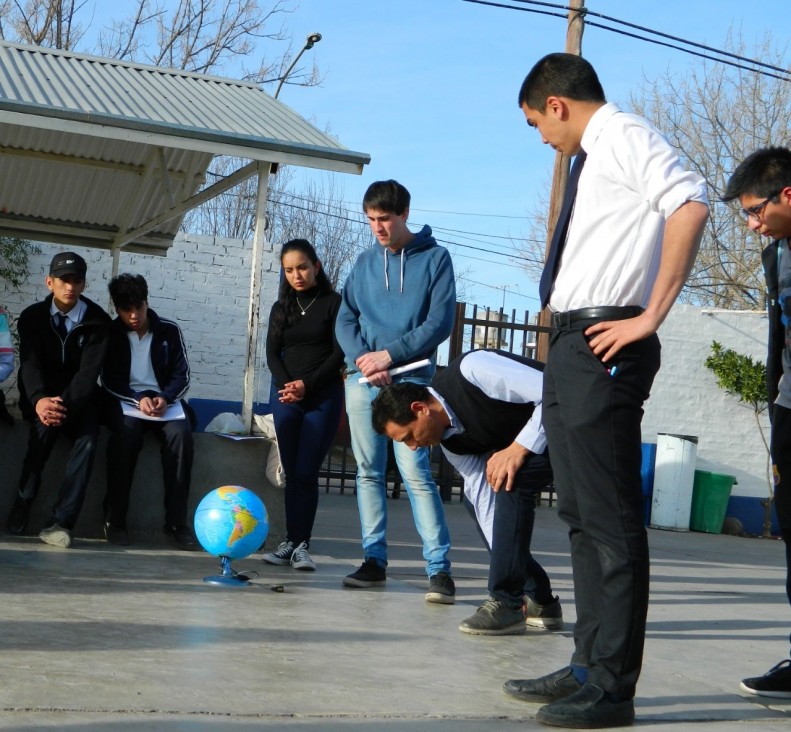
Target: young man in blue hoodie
398,306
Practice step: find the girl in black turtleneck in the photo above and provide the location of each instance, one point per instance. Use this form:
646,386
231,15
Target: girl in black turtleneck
305,361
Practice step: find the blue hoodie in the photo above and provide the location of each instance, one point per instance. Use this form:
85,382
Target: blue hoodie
402,303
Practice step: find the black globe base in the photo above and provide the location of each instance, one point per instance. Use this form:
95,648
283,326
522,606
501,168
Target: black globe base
228,576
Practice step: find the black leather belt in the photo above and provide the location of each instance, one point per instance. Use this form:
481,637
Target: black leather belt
571,317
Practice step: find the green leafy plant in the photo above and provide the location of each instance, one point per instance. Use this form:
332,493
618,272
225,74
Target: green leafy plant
745,378
14,269
15,260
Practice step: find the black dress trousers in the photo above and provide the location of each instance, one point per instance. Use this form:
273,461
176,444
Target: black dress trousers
592,417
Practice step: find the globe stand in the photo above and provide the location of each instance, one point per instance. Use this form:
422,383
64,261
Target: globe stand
228,576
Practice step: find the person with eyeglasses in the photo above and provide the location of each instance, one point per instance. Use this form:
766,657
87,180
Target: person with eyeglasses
762,184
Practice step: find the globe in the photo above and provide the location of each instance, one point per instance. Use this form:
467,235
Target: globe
231,521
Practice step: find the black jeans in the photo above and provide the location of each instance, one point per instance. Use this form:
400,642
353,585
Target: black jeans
781,462
123,449
512,568
592,420
83,429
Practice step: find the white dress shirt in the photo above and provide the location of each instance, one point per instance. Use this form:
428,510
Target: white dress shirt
73,317
504,379
631,183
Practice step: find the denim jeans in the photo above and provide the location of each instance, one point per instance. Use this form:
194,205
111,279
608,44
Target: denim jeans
513,571
305,431
370,452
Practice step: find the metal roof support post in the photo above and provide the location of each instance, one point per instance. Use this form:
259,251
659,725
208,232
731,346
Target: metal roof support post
259,239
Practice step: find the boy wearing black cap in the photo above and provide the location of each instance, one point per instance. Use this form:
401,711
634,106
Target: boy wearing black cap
62,342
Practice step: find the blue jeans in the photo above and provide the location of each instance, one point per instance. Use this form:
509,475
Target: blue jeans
305,431
370,452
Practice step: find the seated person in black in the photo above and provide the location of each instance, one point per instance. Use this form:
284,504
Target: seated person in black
62,342
147,373
484,409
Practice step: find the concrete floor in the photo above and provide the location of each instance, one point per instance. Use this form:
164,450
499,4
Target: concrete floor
105,638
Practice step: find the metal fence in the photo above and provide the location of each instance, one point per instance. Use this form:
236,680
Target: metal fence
473,328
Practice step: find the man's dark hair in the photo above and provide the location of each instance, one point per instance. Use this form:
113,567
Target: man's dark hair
392,404
128,291
560,75
388,196
764,173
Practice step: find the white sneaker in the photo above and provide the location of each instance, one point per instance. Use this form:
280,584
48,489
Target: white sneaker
56,535
300,559
281,555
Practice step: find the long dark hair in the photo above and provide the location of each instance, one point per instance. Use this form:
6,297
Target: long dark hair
287,314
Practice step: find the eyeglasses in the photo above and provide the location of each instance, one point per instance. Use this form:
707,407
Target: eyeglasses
755,212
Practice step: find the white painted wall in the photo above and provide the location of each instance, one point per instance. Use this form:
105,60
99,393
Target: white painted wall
203,284
686,399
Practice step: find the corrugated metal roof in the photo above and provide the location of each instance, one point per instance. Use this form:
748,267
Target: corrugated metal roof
83,140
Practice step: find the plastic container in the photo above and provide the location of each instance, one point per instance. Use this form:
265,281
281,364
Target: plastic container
674,475
710,495
647,468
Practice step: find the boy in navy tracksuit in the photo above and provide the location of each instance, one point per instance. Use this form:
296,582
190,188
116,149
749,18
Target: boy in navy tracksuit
146,368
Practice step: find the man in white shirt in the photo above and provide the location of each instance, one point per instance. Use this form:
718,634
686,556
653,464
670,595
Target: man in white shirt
629,247
484,409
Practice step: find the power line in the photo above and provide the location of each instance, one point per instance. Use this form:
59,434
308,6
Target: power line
584,12
469,213
509,255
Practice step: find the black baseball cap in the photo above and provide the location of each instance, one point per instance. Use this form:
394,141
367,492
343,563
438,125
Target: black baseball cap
67,263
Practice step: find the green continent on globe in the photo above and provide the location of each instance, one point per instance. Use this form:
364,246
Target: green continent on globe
244,524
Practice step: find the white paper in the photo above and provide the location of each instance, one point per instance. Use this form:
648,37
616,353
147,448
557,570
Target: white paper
401,369
173,412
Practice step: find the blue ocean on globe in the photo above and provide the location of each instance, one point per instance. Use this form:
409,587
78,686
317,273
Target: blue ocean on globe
231,521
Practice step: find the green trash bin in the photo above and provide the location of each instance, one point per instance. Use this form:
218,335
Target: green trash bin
710,495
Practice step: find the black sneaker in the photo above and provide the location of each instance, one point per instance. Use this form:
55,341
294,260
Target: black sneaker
17,519
183,536
549,688
441,589
549,616
301,558
776,682
494,618
370,574
117,535
281,556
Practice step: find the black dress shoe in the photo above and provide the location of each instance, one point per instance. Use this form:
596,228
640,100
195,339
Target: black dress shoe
549,688
183,536
117,535
17,519
589,708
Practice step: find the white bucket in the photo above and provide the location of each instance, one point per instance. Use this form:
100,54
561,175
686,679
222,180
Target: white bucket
674,477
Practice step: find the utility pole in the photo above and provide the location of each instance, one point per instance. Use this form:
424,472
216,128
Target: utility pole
576,26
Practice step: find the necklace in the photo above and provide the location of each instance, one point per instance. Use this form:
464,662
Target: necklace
305,309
